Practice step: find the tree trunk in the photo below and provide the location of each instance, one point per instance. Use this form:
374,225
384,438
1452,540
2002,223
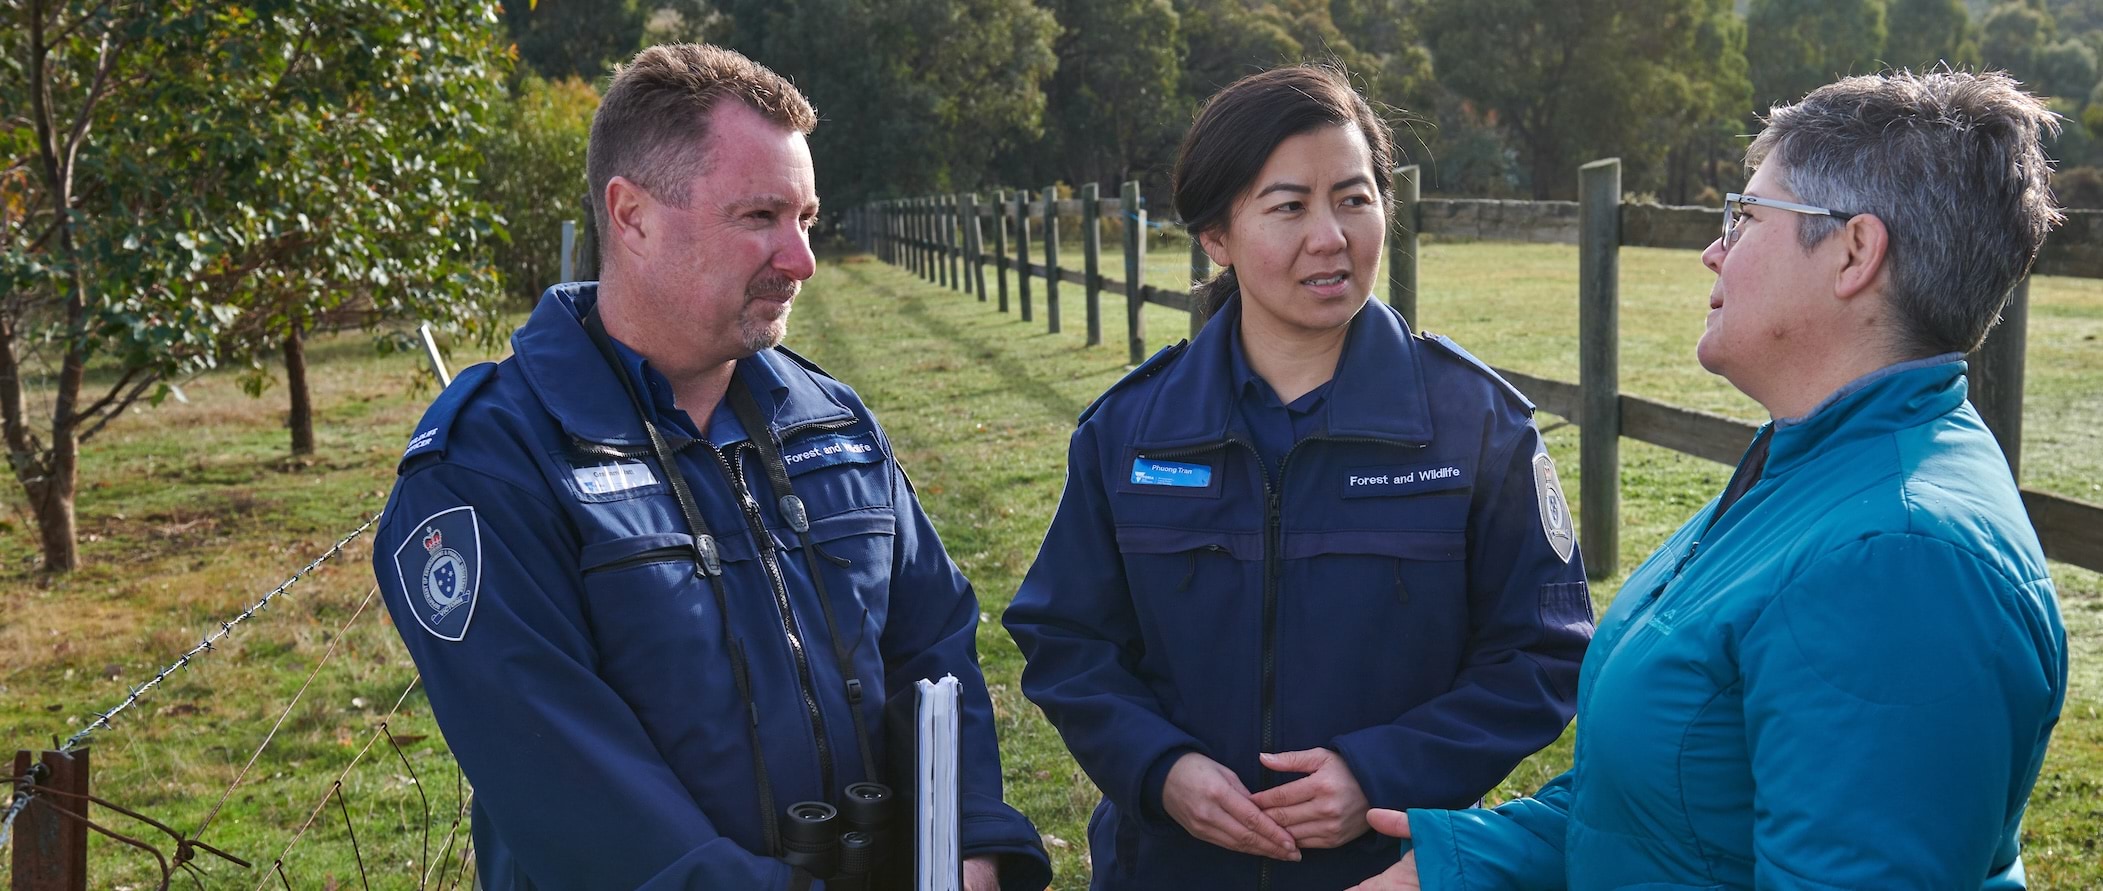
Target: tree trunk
301,418
51,499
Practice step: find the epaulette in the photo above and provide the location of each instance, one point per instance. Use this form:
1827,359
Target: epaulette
1447,344
800,359
437,423
1144,370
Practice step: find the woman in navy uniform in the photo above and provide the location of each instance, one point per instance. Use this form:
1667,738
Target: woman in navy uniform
1308,562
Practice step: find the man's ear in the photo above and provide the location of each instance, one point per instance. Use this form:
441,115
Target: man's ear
1868,246
626,206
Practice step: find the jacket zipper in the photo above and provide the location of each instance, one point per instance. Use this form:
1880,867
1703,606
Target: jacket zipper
1273,546
764,544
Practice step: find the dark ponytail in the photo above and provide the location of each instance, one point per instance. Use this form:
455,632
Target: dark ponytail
1234,135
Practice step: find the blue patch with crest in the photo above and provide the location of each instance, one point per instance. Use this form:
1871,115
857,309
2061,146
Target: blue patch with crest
439,566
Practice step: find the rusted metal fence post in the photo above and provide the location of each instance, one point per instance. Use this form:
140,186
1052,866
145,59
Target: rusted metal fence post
51,848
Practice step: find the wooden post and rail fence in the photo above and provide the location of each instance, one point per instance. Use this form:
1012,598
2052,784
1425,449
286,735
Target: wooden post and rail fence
920,233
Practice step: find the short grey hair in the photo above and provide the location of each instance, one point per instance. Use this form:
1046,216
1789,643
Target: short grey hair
1952,163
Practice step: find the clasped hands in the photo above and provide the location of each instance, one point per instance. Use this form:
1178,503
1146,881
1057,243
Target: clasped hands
1323,809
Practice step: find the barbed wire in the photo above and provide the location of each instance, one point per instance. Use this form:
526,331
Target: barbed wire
102,721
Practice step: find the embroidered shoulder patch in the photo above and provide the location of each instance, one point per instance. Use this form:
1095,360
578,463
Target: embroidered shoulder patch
439,566
1555,510
437,421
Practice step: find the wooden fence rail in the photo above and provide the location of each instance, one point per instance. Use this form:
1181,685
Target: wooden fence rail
906,232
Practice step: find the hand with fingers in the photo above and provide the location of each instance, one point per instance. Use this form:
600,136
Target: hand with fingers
1401,876
1209,802
1324,809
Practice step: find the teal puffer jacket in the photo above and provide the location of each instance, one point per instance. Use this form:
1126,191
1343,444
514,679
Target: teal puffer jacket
1846,681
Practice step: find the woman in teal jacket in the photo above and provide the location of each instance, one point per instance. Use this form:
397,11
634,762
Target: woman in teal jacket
1844,671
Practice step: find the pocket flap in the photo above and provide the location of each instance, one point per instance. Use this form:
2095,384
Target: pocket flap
1410,544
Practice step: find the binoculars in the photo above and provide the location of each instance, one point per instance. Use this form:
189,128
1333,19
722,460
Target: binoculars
842,845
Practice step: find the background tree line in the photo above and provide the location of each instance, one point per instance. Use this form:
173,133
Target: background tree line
188,185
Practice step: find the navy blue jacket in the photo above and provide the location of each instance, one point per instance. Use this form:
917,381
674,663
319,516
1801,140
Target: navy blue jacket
1405,592
543,578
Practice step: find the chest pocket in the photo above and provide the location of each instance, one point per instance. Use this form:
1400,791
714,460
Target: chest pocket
845,486
657,628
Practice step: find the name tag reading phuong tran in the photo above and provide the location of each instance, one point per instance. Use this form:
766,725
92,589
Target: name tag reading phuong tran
1150,472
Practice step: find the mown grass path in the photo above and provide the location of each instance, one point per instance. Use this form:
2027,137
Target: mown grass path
193,512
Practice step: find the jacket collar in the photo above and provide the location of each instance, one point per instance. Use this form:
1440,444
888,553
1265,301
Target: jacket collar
584,395
1378,391
1895,398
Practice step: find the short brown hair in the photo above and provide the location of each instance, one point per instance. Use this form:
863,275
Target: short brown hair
657,108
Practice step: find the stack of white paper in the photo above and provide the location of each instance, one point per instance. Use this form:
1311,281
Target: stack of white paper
937,860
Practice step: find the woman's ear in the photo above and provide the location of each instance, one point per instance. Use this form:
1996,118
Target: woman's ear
1868,245
1215,244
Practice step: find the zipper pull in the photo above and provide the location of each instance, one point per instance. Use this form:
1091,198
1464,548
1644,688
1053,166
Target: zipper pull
711,563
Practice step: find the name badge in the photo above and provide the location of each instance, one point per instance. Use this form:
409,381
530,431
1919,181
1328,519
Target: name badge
612,476
1149,472
1365,482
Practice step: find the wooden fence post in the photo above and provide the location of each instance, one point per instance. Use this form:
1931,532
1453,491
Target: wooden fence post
1092,259
913,213
1135,264
937,250
1022,250
1996,373
1200,270
588,245
1599,362
1402,244
1051,259
953,238
975,236
1000,246
51,848
569,250
927,238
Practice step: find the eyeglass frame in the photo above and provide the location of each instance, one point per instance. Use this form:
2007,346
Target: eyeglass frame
1734,199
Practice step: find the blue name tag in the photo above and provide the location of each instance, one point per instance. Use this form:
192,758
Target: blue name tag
1149,472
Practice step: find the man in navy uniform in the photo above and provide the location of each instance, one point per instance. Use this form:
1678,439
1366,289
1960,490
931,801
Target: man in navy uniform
665,581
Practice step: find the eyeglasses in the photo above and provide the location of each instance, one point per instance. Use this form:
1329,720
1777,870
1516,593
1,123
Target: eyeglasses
1734,206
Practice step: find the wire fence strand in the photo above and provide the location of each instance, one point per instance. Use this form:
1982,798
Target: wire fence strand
102,721
336,788
326,655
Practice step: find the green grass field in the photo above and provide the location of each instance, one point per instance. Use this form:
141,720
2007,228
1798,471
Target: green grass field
190,512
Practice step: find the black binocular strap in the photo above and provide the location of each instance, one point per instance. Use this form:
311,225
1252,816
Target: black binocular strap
793,512
708,566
